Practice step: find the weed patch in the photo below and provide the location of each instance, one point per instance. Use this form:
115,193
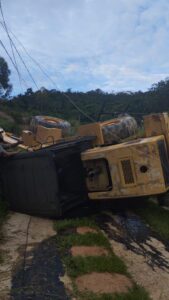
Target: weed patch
156,217
77,266
73,223
89,239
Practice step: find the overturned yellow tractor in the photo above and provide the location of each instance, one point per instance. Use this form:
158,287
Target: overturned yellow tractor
90,167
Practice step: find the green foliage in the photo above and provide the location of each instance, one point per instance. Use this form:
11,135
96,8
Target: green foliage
97,104
10,126
16,116
156,217
5,86
6,125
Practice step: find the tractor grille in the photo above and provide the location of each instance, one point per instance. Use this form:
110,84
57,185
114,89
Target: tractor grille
164,161
127,171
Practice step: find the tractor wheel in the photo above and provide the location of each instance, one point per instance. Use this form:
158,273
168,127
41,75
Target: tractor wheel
50,122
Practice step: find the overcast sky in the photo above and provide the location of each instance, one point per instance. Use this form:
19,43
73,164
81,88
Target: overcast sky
88,44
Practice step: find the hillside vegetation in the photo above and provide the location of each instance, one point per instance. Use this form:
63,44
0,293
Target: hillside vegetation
97,104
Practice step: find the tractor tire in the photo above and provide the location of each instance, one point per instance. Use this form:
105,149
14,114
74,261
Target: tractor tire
122,128
50,122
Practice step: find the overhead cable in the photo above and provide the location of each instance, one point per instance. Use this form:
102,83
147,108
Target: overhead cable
13,54
15,63
22,60
51,80
33,59
6,51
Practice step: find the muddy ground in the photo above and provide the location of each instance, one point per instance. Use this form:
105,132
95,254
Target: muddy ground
32,268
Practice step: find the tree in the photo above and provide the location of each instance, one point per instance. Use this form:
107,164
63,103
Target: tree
29,92
5,86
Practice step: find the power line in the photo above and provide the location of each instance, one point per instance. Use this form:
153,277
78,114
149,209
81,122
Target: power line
4,25
78,108
25,66
22,60
13,54
34,60
51,80
3,46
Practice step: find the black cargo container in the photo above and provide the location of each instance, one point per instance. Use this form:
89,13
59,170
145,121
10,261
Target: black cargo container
47,182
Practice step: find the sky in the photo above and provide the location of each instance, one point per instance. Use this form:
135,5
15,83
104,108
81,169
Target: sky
113,45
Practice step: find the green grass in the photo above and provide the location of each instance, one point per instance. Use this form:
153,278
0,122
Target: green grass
156,216
136,293
78,265
89,239
73,223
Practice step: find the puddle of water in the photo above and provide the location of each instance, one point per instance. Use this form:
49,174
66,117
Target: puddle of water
134,227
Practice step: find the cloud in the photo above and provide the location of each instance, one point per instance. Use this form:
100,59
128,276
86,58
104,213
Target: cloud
111,45
72,68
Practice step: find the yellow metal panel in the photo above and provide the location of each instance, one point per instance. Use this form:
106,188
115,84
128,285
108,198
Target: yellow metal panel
93,129
48,135
28,138
145,165
157,124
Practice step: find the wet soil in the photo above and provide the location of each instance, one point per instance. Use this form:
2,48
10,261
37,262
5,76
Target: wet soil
128,229
144,252
38,277
31,268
